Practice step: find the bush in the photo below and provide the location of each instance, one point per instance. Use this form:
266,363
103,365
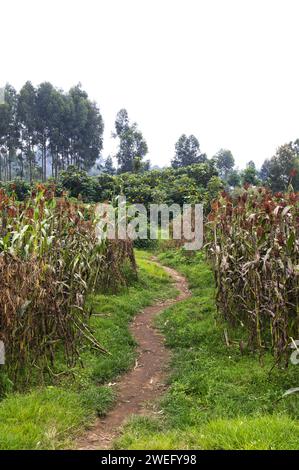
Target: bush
77,182
20,188
193,184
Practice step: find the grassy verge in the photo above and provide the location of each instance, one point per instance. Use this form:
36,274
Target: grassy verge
219,397
48,417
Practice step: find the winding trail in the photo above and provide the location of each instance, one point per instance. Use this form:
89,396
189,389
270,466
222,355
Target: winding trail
143,383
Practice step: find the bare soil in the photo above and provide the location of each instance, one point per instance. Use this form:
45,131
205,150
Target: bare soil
143,384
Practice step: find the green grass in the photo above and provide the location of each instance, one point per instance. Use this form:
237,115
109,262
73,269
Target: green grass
218,398
49,417
248,433
39,419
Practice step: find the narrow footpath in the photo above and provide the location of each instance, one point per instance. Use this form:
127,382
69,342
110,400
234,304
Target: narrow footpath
146,381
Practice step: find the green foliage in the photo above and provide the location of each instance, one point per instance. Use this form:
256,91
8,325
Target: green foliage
108,167
192,184
187,152
183,185
43,130
234,178
107,187
250,174
215,185
77,182
225,162
283,168
91,188
132,145
9,134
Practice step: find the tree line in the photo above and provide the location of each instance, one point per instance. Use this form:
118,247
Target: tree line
278,172
44,130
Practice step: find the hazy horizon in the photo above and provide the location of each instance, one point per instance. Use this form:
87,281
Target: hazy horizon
223,71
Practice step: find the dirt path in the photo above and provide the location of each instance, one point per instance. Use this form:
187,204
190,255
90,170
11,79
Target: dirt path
144,382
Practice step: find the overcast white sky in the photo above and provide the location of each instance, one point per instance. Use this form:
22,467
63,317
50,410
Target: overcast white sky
224,70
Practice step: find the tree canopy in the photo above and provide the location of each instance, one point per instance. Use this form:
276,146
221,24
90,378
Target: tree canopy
187,152
43,130
108,166
283,168
132,145
250,174
224,162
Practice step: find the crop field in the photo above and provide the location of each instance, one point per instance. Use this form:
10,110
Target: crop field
253,243
50,260
68,299
149,232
